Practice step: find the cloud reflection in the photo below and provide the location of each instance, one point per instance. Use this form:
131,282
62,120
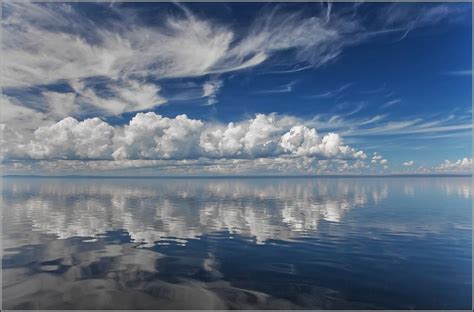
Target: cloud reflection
83,234
151,210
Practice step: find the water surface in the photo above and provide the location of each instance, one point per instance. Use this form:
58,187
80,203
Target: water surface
322,243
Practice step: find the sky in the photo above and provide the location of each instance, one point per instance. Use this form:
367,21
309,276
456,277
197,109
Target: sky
236,89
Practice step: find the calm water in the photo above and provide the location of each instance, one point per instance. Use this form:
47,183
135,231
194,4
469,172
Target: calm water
393,243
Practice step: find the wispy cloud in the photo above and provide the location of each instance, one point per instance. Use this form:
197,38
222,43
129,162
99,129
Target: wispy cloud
414,126
380,89
390,103
62,52
281,89
128,96
50,43
466,72
210,89
35,52
380,125
403,18
331,93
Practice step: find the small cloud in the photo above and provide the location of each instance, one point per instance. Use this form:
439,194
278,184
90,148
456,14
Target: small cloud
466,72
331,93
409,163
391,103
210,90
378,159
375,91
282,89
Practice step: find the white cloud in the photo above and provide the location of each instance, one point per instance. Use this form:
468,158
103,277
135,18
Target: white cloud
210,90
331,93
460,165
302,141
61,105
381,125
281,89
12,143
49,43
15,114
71,139
128,96
409,163
378,159
404,18
391,103
151,136
36,51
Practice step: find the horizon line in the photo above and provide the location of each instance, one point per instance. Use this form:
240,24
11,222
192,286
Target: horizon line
414,175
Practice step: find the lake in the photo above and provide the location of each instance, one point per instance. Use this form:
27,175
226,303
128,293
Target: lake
248,243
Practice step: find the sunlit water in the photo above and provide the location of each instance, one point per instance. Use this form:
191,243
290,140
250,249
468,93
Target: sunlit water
354,243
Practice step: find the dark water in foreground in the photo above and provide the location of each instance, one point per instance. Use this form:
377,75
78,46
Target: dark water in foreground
354,243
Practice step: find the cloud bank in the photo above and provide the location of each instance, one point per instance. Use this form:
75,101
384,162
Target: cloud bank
153,137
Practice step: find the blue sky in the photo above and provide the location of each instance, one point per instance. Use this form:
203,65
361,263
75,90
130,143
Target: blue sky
393,81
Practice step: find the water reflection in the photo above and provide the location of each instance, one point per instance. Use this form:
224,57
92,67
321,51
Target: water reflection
154,209
236,243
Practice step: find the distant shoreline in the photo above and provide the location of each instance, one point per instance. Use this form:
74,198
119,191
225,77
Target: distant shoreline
243,176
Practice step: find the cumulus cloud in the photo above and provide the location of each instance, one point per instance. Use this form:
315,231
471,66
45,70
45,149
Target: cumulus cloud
460,165
409,163
303,141
154,137
378,159
117,65
151,136
71,139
